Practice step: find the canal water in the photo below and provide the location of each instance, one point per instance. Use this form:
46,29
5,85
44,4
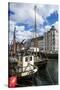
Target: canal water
45,76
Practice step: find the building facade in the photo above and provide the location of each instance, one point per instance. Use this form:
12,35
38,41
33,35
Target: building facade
41,43
38,42
46,43
51,40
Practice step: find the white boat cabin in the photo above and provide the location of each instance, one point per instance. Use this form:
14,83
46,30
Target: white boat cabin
26,62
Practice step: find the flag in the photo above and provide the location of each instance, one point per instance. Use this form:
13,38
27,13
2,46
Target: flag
12,81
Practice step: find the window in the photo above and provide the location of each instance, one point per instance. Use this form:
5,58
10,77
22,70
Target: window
53,42
30,58
26,59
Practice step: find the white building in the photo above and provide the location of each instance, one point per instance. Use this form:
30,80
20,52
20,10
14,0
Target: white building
46,43
51,40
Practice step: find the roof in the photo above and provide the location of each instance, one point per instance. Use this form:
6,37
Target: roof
38,38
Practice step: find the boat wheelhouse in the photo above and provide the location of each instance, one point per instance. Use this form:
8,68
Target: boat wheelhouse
24,65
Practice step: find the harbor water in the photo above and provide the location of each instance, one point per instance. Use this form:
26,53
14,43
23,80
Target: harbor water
48,75
44,76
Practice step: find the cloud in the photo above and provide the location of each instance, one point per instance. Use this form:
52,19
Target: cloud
24,12
21,33
24,19
56,24
47,28
46,10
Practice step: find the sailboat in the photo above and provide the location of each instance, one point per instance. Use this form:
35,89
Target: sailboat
21,63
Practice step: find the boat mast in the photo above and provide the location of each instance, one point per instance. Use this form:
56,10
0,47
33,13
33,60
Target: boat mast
14,42
35,20
35,31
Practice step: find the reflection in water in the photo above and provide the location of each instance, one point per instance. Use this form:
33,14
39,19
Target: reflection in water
45,76
48,75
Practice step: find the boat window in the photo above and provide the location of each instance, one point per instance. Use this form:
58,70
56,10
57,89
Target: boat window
30,58
26,59
21,59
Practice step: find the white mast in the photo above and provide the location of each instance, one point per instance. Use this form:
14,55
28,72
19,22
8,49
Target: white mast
35,31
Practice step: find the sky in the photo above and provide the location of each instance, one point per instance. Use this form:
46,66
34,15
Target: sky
22,16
